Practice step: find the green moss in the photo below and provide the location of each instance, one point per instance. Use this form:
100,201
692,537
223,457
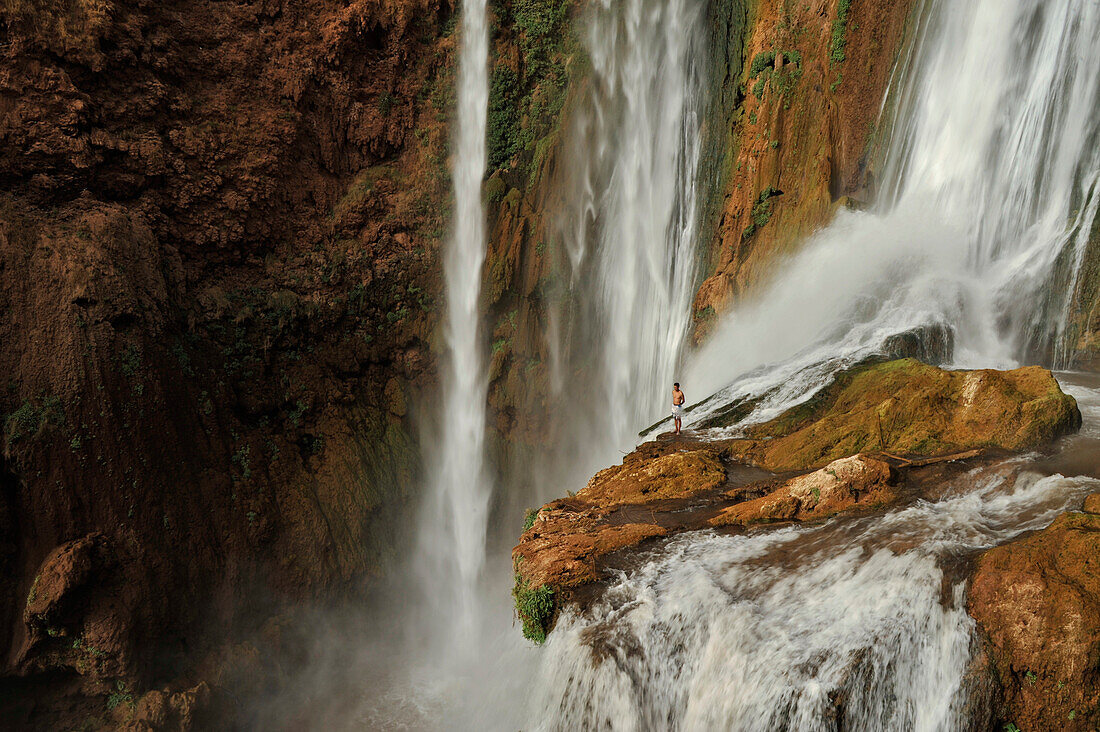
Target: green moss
761,211
529,518
535,608
840,28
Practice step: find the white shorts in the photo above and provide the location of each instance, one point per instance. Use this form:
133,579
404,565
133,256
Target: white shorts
678,411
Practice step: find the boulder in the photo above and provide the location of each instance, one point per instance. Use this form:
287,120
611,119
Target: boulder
858,481
906,407
1037,602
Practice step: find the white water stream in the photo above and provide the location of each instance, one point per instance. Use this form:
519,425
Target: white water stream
450,552
989,191
629,223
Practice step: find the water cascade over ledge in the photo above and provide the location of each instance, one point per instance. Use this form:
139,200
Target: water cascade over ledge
988,193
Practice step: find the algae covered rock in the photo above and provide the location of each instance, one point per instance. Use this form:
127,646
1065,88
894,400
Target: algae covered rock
910,408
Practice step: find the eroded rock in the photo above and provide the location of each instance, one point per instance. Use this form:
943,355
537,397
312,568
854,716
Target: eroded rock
857,481
1037,602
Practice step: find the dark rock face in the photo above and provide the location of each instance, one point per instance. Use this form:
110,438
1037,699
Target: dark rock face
217,282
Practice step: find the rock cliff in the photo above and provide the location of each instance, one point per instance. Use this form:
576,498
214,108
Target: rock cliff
218,248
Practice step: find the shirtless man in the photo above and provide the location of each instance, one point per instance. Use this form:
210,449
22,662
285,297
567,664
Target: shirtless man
678,400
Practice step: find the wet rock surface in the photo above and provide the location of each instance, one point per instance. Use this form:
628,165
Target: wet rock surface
1037,602
819,459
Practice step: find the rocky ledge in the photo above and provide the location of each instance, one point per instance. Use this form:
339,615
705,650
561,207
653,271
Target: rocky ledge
880,432
1037,601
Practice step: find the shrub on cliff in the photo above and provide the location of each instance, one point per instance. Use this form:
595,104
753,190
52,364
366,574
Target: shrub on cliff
535,608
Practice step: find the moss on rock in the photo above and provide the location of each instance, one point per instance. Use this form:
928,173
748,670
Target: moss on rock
911,408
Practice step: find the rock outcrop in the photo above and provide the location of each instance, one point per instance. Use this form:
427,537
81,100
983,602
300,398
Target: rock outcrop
873,437
908,407
1037,602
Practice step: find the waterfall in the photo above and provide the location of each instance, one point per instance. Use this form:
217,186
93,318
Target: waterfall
988,192
451,539
629,220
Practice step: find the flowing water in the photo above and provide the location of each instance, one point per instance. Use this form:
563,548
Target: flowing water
628,223
450,657
451,540
989,191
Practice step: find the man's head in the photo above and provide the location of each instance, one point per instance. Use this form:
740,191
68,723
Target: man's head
676,385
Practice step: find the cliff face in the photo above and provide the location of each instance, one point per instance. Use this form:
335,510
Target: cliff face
808,95
217,246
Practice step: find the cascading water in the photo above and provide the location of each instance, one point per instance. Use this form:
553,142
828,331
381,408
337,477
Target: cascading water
989,189
767,632
633,156
629,223
989,185
451,540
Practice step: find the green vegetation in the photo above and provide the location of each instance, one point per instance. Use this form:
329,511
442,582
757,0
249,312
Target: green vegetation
526,99
706,314
535,608
761,211
121,695
840,29
386,102
762,60
1031,678
28,421
529,518
34,590
503,120
782,80
241,460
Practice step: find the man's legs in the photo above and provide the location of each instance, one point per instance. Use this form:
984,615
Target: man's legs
677,425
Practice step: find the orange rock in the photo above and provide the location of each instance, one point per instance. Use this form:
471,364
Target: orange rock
1038,602
857,481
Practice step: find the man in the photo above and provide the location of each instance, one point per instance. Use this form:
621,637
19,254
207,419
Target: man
678,400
